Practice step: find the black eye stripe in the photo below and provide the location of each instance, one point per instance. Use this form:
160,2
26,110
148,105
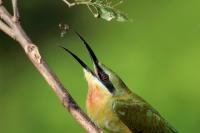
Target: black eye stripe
109,86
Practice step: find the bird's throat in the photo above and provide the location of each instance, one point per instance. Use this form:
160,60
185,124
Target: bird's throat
97,98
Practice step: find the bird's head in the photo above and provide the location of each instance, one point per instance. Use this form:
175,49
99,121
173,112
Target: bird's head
102,77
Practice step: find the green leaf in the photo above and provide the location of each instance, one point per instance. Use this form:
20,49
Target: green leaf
106,13
121,17
109,14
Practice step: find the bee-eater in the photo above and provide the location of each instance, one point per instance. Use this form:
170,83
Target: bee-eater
115,108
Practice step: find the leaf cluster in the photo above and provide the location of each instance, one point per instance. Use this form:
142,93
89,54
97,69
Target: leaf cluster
105,9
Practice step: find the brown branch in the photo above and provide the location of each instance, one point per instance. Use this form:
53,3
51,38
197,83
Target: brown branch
15,31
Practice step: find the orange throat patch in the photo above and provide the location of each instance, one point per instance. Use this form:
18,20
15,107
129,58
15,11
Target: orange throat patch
96,97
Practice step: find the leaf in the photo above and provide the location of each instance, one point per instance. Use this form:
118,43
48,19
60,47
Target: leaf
109,13
121,17
106,13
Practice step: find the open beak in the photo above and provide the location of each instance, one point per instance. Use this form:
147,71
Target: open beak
99,72
98,69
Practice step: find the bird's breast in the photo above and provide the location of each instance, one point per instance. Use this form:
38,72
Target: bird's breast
99,109
98,103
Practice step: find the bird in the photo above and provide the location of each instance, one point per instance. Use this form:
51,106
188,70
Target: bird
112,106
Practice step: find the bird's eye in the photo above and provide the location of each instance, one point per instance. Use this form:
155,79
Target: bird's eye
103,76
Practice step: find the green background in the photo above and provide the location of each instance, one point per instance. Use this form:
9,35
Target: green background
157,55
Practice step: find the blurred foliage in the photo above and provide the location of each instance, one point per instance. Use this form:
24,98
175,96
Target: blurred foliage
157,55
105,9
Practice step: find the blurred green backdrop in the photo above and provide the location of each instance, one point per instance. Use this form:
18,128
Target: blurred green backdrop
157,55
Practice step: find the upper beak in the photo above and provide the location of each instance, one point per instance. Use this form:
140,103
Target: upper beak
95,61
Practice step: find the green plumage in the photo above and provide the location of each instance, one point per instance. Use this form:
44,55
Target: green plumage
140,117
122,111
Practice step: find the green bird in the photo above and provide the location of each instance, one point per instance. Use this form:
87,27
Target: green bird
113,106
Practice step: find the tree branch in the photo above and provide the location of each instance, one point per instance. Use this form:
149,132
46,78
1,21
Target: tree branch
13,28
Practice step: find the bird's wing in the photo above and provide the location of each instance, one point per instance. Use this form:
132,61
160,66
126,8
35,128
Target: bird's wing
140,117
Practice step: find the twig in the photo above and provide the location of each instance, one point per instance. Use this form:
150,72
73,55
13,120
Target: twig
14,30
5,16
6,29
68,3
15,10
